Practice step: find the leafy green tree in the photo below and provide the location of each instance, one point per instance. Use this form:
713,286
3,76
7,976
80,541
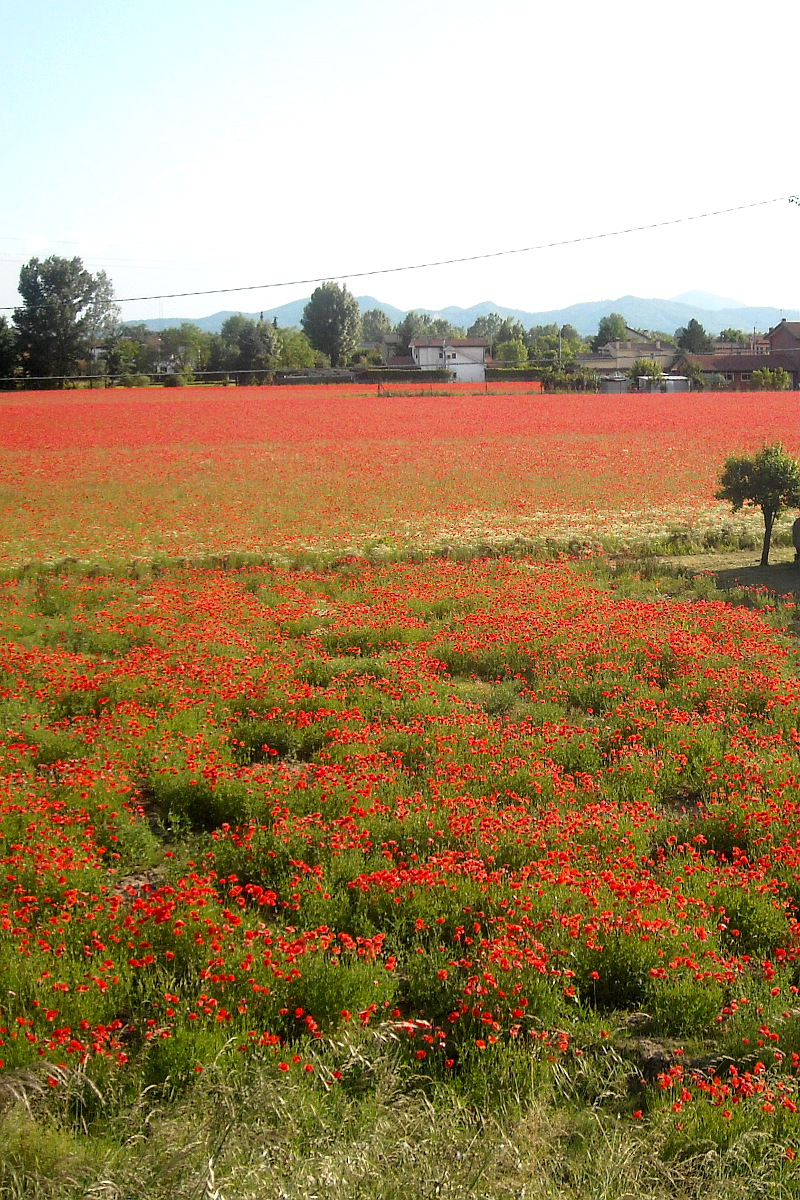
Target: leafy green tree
548,343
770,480
8,355
416,325
296,350
771,379
66,313
440,327
374,323
187,347
570,334
694,339
248,345
738,336
542,343
699,380
331,321
513,352
610,329
487,327
134,350
510,331
496,329
647,367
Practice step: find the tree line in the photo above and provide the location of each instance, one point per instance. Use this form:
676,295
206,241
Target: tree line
68,324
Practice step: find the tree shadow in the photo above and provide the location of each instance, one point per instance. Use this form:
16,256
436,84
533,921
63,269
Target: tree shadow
781,579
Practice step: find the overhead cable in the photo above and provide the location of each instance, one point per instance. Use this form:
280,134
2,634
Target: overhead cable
449,262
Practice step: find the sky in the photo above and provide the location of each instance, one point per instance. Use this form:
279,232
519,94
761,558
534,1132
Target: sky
183,145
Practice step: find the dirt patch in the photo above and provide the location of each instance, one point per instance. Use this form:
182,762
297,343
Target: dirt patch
741,569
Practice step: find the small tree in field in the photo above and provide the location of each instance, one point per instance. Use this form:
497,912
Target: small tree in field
769,481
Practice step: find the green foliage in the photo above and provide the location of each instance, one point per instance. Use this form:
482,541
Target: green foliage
694,339
9,358
737,336
496,330
247,345
770,480
423,325
610,329
296,350
569,378
647,367
332,322
549,344
133,351
771,379
488,327
374,323
186,347
682,1007
66,312
511,352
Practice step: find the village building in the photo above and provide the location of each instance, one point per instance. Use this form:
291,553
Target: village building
616,358
736,366
465,358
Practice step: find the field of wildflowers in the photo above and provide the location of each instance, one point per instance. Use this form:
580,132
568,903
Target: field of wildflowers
199,471
495,859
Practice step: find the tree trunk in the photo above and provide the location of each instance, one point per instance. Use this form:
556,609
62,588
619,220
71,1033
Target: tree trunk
769,519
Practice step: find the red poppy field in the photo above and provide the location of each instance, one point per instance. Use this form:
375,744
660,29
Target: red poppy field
201,471
498,853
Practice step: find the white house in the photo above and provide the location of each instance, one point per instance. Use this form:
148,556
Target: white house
465,357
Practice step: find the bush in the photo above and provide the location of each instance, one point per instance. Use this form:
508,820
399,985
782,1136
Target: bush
771,379
134,381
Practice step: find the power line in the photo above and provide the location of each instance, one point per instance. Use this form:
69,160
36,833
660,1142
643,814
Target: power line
449,262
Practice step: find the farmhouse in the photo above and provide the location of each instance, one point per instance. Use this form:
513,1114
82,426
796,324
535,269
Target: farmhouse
736,367
464,357
618,357
785,336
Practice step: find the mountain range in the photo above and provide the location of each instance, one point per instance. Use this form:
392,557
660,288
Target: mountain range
713,312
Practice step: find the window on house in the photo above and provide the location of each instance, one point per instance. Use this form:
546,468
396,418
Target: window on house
728,376
746,376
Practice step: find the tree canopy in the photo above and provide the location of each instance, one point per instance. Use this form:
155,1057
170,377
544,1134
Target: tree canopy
487,327
769,480
548,343
8,354
66,313
332,322
771,379
374,323
694,339
647,367
249,345
513,351
738,336
610,329
416,324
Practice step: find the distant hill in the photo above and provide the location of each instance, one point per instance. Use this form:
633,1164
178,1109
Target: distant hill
707,300
665,315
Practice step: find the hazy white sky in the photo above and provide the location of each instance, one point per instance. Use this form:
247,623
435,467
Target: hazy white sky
188,144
